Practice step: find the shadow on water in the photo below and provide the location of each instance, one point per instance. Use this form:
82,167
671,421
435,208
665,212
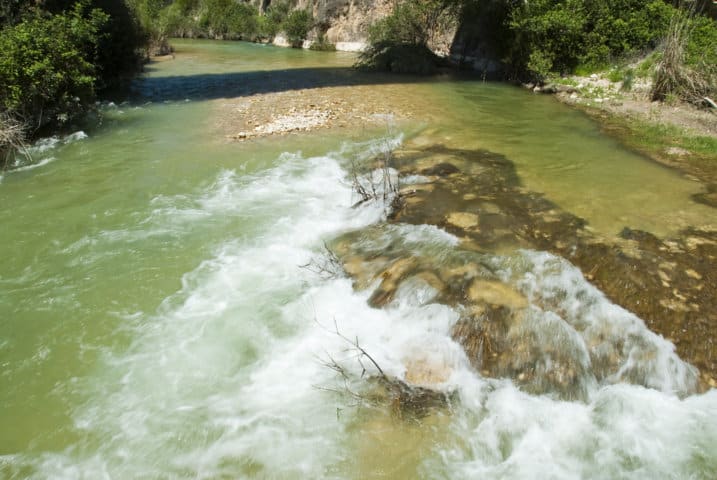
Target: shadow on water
241,84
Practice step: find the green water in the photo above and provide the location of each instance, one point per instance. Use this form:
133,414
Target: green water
154,322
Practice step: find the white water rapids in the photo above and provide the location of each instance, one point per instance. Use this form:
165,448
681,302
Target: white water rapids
226,378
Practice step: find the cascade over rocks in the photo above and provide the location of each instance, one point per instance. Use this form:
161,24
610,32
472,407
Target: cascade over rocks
537,340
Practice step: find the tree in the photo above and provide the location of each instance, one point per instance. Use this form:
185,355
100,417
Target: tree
297,26
47,69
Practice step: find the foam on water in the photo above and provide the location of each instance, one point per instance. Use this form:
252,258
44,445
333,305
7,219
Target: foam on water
33,166
623,432
608,331
226,378
45,144
40,149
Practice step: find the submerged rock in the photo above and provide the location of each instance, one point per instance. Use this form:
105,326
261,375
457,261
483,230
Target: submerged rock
464,220
441,170
391,278
495,293
541,344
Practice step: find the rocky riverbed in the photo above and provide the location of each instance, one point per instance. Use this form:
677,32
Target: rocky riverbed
476,196
305,110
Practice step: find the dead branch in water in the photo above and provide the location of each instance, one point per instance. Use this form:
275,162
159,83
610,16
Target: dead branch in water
327,265
408,402
377,181
12,140
360,354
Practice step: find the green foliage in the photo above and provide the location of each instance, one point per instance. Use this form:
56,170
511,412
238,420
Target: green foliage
701,48
222,19
415,22
646,67
275,16
229,19
322,44
10,12
47,65
558,36
655,138
297,26
400,42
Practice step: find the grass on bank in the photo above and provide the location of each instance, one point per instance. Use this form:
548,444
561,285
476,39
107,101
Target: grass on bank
660,136
656,139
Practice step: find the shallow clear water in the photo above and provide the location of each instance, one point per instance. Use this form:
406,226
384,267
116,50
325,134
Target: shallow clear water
155,321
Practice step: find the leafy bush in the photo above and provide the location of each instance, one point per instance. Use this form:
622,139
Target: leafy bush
275,16
297,26
701,45
415,22
228,19
47,70
322,44
560,35
400,42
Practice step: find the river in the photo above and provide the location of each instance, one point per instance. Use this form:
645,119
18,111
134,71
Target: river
160,317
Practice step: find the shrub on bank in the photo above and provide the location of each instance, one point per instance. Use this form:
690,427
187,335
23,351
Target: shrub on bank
47,65
559,36
399,58
297,26
687,66
228,19
275,16
223,19
400,42
322,44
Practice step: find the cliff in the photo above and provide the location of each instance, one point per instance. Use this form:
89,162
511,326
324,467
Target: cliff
345,23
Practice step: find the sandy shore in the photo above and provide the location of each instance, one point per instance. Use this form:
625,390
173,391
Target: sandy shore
302,110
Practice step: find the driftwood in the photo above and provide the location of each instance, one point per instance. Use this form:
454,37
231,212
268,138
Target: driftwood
408,402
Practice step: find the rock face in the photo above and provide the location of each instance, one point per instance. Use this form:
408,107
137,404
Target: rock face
344,22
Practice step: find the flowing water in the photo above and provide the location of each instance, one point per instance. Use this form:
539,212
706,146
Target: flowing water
155,321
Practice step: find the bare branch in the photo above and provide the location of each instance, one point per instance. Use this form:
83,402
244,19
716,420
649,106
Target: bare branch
327,265
358,347
12,140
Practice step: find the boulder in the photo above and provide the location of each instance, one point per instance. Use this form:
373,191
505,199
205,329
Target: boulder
495,293
391,278
464,220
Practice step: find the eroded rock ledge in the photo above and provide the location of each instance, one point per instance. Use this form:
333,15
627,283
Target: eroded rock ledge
476,195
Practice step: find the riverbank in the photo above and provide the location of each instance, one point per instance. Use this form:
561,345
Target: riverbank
675,134
305,110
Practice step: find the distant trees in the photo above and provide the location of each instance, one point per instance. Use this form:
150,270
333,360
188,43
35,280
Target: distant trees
559,36
297,26
223,19
401,41
537,38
